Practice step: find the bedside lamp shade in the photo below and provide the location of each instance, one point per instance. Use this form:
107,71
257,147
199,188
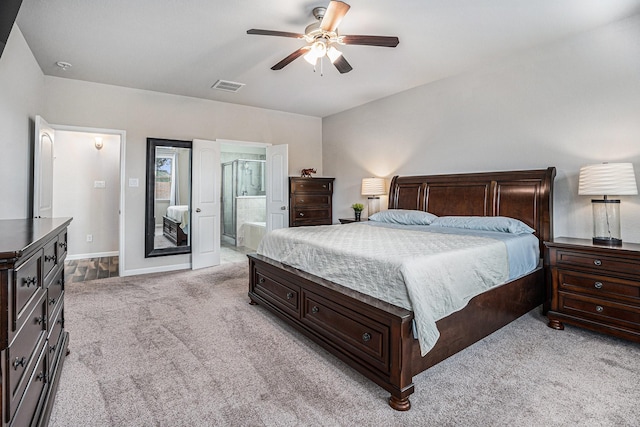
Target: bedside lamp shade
607,179
373,188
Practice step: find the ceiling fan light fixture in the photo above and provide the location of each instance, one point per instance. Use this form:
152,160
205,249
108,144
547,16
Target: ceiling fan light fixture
311,57
333,54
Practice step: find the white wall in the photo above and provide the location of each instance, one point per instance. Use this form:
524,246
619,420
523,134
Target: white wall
566,105
145,114
77,165
21,89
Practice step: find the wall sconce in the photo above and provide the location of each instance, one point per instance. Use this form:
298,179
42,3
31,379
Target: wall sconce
607,179
373,188
99,144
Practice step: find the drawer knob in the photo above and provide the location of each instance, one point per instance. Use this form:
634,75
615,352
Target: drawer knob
598,285
597,262
60,281
599,308
289,295
28,281
52,348
301,213
301,201
39,320
40,376
48,258
324,185
52,301
63,245
366,337
19,361
261,280
315,309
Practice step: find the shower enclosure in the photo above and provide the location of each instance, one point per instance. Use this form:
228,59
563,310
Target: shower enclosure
243,195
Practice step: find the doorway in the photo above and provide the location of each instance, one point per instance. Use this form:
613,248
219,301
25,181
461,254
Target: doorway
86,183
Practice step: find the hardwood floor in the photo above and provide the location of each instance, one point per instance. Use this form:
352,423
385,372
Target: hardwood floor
80,270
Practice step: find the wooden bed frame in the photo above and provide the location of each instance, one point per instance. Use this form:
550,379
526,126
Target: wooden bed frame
172,231
375,337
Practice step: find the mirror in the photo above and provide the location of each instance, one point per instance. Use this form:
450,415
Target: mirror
168,198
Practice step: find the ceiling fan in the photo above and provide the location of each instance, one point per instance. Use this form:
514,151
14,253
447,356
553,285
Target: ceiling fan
322,38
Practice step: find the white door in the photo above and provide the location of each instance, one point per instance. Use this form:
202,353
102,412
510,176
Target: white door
277,188
43,170
205,204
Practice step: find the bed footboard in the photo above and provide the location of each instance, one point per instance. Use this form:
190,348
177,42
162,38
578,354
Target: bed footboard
369,335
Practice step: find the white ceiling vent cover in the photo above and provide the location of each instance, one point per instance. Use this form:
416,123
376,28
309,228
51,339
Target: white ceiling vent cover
227,86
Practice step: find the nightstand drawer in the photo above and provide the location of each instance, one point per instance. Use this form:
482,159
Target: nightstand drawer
630,266
598,285
612,313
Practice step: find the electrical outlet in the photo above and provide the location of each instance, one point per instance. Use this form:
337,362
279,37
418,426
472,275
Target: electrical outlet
89,238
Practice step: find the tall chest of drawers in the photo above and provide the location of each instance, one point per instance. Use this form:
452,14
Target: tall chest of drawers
595,287
33,341
310,201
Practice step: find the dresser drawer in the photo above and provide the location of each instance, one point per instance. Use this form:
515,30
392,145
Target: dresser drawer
50,259
62,246
27,410
303,200
281,293
362,336
22,352
55,292
311,185
26,285
609,312
312,214
596,285
54,342
606,264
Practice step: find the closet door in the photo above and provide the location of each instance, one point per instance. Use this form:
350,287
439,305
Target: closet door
43,170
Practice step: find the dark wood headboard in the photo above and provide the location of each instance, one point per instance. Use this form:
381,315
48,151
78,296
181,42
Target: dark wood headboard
525,195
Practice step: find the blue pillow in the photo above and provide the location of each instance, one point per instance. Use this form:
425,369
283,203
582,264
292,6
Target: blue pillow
403,216
486,223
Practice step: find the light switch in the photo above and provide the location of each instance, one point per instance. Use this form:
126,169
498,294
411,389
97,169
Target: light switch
133,182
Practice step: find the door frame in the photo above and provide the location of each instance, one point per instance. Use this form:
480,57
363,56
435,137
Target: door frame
121,209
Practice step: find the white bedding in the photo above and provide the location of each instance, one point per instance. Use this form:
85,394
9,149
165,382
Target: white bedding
180,214
432,273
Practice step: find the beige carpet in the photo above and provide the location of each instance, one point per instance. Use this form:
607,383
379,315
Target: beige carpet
186,349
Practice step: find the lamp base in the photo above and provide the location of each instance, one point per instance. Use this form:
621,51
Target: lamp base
607,241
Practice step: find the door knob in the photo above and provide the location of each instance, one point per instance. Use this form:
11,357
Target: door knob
198,210
283,208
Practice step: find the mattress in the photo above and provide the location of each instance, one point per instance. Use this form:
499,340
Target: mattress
180,214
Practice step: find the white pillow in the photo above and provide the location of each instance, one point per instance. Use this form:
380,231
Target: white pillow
486,223
403,216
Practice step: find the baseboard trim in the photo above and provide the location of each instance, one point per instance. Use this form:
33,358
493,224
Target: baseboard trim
92,255
160,269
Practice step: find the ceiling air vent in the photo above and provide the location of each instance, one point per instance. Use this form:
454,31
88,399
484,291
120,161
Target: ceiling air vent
227,86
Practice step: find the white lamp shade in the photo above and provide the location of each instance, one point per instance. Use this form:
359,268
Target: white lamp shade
607,179
373,187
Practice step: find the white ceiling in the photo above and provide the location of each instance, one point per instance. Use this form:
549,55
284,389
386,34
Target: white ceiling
183,47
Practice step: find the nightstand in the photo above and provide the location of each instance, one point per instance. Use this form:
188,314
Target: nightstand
347,220
595,287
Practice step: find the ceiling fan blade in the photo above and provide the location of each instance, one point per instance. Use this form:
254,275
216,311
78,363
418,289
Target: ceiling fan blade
275,33
342,65
383,41
289,59
334,14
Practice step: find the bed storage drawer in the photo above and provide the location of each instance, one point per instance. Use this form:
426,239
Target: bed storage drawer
279,292
364,337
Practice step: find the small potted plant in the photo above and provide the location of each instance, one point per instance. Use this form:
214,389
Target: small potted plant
357,209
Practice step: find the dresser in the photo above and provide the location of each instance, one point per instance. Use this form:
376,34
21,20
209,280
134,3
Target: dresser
33,341
595,287
310,201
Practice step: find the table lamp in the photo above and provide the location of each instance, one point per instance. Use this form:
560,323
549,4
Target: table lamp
373,188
